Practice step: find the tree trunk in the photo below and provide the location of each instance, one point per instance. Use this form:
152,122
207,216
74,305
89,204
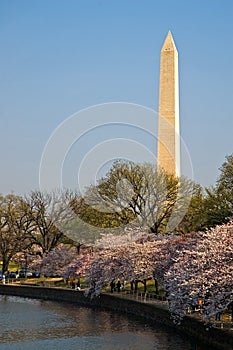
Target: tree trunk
131,285
156,287
5,264
154,229
144,282
78,246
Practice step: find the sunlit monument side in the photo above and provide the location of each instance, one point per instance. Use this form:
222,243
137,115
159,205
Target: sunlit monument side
168,123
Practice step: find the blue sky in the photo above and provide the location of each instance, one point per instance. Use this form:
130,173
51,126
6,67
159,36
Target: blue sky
58,57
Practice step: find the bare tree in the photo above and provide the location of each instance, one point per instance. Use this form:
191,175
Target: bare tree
50,214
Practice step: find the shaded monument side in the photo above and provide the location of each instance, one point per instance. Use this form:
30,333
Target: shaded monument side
168,123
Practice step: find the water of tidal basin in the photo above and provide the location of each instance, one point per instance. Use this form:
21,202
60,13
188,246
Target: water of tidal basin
45,325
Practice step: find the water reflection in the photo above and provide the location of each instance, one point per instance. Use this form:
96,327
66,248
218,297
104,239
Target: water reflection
37,324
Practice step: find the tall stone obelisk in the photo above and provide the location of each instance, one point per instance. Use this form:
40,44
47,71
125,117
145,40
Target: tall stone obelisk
168,127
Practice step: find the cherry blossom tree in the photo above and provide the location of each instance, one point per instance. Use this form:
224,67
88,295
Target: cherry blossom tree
203,269
133,234
108,265
78,267
129,260
29,257
194,266
169,247
56,261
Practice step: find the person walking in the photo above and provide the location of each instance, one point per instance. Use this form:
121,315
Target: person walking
118,286
112,285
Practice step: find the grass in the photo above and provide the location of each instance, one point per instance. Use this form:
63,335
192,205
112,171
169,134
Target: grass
60,282
12,266
150,288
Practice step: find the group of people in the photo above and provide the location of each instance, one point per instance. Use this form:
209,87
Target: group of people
75,284
117,286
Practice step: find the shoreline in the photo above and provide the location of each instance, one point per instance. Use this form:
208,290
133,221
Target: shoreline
153,312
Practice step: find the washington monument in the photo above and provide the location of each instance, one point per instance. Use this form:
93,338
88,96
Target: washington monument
168,123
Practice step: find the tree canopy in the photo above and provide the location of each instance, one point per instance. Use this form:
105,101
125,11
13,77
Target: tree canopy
140,194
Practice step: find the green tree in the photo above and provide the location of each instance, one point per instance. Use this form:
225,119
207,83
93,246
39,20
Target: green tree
215,207
141,194
195,217
219,198
225,183
14,228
